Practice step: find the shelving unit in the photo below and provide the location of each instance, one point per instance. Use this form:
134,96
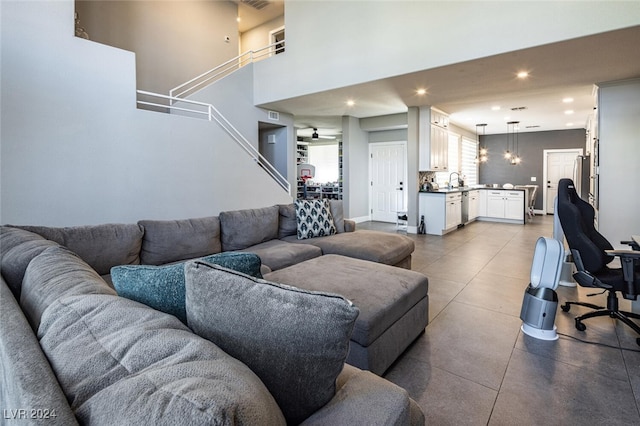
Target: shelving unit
302,153
332,191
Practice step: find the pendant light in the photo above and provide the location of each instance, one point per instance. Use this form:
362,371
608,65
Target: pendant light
483,149
512,143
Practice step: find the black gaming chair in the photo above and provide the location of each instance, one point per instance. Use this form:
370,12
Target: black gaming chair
591,254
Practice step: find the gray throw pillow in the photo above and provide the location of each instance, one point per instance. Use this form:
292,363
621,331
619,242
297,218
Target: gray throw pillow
314,219
162,287
295,340
122,363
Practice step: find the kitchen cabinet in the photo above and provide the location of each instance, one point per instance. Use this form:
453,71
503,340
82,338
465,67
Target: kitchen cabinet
474,205
482,203
442,211
453,210
505,204
433,140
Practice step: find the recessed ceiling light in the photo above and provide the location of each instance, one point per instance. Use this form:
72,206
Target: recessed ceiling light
569,112
421,91
523,74
351,102
238,19
569,124
495,108
567,100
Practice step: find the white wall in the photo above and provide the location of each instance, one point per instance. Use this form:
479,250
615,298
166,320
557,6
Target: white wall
350,42
259,37
174,41
619,158
355,171
75,150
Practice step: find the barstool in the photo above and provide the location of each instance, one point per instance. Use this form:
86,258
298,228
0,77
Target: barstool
401,219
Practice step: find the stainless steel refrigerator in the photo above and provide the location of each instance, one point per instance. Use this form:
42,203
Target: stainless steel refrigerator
581,175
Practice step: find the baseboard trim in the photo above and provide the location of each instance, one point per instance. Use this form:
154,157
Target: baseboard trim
361,219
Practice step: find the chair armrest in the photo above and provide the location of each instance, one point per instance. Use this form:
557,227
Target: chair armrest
628,259
364,398
633,244
349,225
633,254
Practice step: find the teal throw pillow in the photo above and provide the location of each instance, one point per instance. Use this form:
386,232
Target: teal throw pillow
163,288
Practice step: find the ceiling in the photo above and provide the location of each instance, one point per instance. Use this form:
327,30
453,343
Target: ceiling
469,90
252,13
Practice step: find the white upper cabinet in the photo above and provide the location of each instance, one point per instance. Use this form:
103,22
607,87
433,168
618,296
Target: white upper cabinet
434,140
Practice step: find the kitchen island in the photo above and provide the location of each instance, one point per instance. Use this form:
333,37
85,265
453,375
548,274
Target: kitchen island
444,210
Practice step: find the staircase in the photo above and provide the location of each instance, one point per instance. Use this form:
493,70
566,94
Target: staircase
177,102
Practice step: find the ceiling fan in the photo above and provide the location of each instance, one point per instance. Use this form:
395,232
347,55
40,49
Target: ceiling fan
312,132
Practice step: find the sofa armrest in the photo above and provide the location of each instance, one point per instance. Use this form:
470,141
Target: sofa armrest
28,382
364,398
349,225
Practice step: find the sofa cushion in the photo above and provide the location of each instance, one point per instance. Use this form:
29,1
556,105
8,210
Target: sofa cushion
277,254
120,362
296,341
101,246
288,224
244,228
57,272
167,241
314,219
380,247
382,293
17,248
338,215
162,287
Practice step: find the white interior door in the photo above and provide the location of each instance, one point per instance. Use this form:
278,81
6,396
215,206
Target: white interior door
388,173
559,166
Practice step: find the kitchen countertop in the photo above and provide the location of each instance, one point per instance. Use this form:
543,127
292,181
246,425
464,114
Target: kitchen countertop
466,189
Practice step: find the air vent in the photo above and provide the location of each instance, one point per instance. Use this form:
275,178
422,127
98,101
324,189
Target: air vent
532,127
518,108
256,4
273,115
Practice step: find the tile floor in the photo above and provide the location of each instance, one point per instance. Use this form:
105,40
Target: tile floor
474,366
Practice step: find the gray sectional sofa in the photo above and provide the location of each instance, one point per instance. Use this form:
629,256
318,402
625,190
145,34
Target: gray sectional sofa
73,351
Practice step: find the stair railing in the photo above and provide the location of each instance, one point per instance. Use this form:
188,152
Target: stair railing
208,111
214,74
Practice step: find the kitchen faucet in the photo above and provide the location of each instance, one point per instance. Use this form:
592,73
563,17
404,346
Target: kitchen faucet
450,181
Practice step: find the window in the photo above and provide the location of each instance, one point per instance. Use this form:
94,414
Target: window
325,160
468,165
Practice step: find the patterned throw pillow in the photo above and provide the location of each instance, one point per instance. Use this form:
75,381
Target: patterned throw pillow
314,219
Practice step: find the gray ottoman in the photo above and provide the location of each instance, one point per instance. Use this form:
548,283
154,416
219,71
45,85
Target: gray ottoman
393,303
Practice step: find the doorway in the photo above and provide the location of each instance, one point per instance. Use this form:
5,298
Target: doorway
276,37
388,173
558,164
